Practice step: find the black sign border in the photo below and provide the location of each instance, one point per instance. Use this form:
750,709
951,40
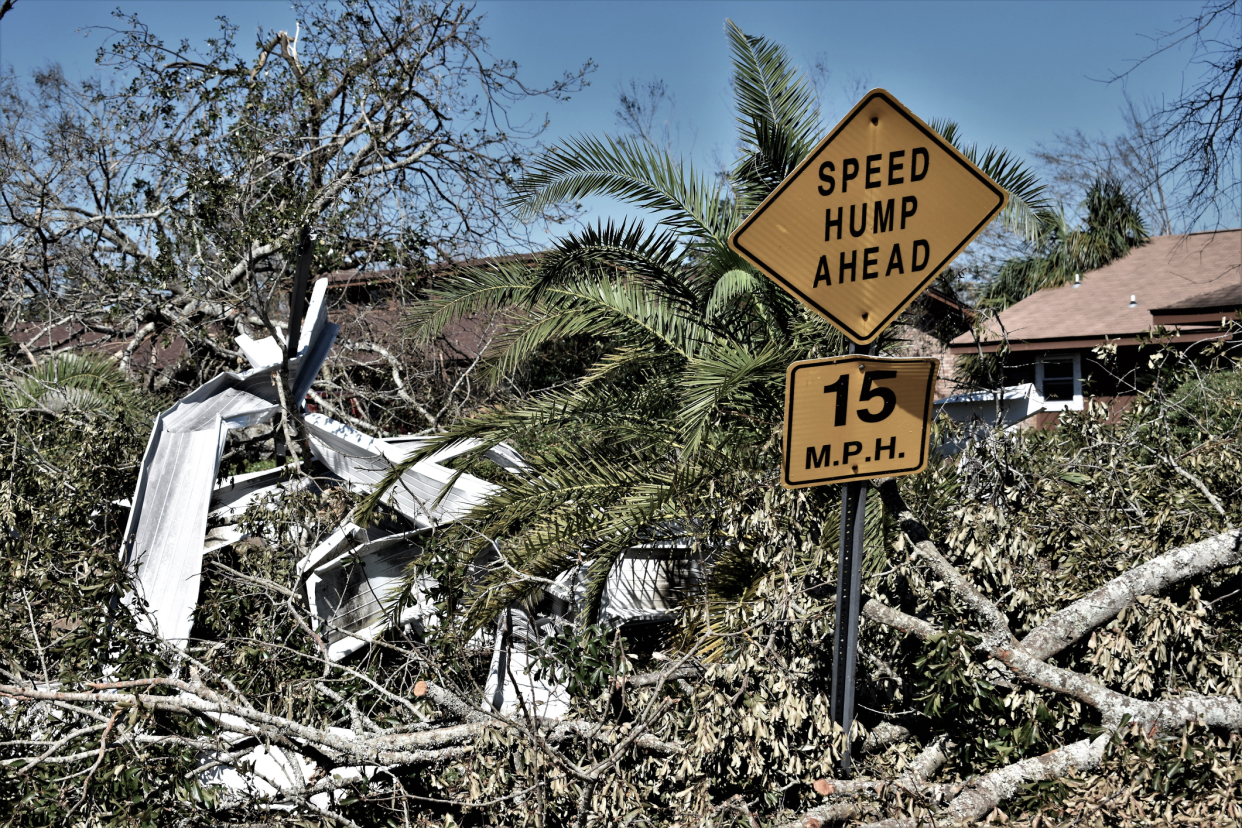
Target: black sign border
924,441
735,239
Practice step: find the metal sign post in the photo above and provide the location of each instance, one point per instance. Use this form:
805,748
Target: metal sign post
849,589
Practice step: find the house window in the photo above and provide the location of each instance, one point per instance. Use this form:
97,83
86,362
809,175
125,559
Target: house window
1019,368
1059,380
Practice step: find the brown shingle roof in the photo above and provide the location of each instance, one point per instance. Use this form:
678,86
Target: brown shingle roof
1196,271
354,276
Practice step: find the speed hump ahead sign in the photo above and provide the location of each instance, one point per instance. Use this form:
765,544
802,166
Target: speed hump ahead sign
868,220
856,417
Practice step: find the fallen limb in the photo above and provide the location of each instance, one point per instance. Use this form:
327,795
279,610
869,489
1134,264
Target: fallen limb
387,748
913,781
883,735
1151,578
989,790
881,613
1000,645
449,701
652,679
968,802
1026,661
995,622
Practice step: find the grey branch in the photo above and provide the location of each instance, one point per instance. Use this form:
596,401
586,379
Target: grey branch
1152,578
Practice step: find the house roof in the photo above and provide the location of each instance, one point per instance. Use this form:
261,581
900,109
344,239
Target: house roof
348,278
1175,280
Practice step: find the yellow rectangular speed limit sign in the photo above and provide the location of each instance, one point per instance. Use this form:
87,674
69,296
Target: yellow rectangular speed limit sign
856,417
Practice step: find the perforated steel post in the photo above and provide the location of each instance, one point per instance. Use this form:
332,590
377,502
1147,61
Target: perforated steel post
849,589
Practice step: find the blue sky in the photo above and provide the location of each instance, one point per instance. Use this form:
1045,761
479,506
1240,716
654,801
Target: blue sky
1011,73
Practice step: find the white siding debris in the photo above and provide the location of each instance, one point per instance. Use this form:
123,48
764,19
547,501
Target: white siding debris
164,538
353,577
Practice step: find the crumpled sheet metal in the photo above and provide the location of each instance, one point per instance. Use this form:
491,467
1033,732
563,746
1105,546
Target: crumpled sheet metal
354,576
164,537
423,494
235,494
648,582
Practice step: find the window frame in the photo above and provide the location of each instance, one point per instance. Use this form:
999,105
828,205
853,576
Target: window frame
1075,404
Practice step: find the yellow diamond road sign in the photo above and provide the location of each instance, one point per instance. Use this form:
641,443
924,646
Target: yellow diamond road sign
856,417
872,215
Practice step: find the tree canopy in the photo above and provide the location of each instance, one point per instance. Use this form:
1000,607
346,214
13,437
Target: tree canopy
164,197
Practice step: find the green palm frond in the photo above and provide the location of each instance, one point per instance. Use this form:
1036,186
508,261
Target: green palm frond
515,346
565,511
624,312
1114,226
777,113
751,307
627,365
609,251
469,292
1027,212
733,375
66,381
633,171
730,289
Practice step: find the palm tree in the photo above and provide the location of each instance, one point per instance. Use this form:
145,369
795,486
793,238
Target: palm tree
1113,227
675,428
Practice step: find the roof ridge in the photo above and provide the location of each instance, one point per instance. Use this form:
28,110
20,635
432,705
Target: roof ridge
1198,233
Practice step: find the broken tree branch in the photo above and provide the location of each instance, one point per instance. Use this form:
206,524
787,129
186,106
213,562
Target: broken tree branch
1151,578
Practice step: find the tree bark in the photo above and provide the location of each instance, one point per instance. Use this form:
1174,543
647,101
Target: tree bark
1157,575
